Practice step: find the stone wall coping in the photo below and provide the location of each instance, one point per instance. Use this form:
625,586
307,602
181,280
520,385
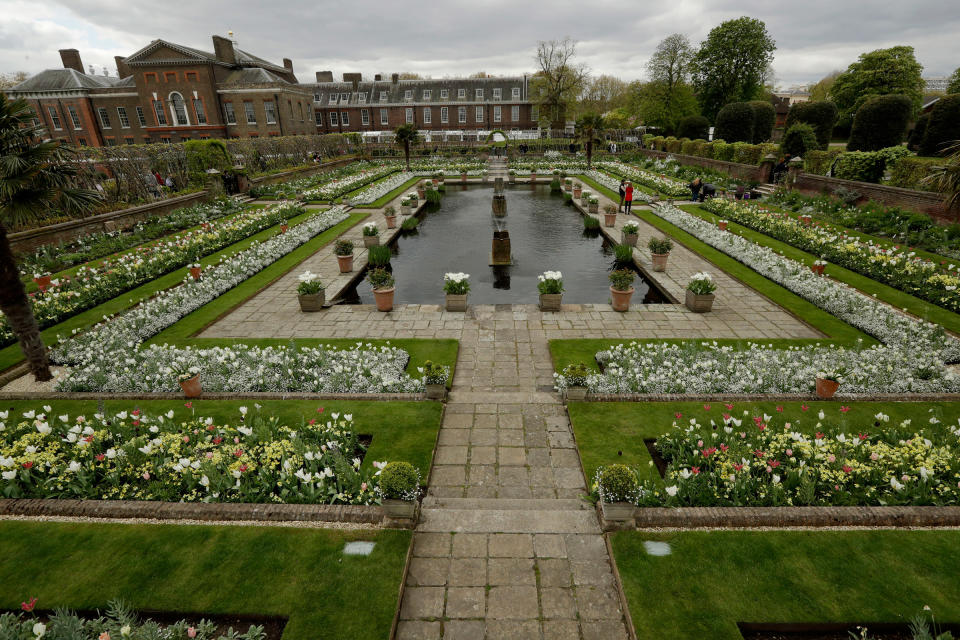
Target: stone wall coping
769,397
747,517
217,511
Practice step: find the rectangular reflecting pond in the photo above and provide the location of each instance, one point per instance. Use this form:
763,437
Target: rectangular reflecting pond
545,234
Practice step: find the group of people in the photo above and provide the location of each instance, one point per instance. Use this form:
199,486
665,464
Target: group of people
700,190
626,196
154,182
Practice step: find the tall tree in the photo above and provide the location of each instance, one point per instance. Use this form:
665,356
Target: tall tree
406,135
559,81
669,69
35,177
659,106
953,85
603,94
820,91
732,64
589,130
878,73
8,80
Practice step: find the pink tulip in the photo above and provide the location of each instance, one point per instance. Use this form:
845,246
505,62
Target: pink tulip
191,632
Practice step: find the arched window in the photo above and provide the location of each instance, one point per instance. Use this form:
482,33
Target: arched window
178,109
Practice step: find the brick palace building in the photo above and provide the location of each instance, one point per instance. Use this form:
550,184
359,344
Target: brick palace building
168,92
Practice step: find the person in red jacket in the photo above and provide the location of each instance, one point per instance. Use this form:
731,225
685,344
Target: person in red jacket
628,198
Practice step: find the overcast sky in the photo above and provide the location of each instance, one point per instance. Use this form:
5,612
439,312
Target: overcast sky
454,37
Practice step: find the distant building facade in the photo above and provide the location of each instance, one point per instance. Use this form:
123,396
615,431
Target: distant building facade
936,85
168,92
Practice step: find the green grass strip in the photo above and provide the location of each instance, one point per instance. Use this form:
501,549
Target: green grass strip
816,317
892,296
298,573
714,579
210,312
12,355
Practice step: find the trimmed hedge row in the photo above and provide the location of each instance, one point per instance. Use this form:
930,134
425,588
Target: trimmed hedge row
742,152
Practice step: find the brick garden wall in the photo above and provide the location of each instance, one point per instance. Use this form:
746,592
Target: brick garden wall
922,201
735,169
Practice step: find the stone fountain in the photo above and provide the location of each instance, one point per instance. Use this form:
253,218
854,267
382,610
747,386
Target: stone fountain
500,254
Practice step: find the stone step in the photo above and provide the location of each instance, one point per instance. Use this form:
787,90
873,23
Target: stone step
458,396
507,504
508,521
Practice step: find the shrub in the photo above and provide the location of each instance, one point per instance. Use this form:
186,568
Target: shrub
688,147
576,374
410,224
915,138
819,162
205,154
703,149
343,248
589,222
623,254
943,126
380,279
434,373
660,246
910,172
673,145
656,142
764,117
617,483
399,481
864,166
799,139
693,127
379,255
822,116
722,150
622,279
746,153
880,122
735,123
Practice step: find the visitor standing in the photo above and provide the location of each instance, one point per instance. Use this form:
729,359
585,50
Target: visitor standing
695,187
623,193
627,198
169,182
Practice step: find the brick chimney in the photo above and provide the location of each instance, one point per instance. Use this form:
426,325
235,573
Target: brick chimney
71,60
395,78
378,77
324,76
223,50
122,69
353,78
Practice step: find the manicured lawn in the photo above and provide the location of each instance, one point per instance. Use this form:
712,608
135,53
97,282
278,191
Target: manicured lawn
892,296
11,355
714,579
299,573
611,432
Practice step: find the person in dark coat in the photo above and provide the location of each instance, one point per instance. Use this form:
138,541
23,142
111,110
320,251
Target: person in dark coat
708,191
695,187
623,192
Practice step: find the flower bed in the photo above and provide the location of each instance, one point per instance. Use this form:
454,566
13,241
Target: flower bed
706,368
605,180
90,286
662,184
56,257
899,268
376,191
135,456
762,460
340,186
862,311
327,185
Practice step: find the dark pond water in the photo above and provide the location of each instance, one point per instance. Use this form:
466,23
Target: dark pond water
545,234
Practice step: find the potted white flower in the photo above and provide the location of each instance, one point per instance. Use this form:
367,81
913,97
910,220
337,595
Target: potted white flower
310,292
195,270
405,208
630,231
344,251
621,289
818,267
533,175
399,489
618,487
575,375
659,252
806,218
568,184
189,380
585,197
827,383
390,215
463,175
42,280
577,190
594,205
700,292
722,225
434,380
486,176
457,287
371,234
383,288
550,285
609,214
512,176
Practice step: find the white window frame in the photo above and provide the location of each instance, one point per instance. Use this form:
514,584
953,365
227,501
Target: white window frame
345,97
478,113
444,94
409,115
461,93
200,109
427,94
535,113
270,119
515,113
249,111
104,117
334,121
123,117
74,117
141,116
383,96
462,115
427,116
229,113
344,118
478,93
444,115
365,117
384,117
316,97
362,98
175,118
498,93
408,95
333,98
496,113
54,117
515,92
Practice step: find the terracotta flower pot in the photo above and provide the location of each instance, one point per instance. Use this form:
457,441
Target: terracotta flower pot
533,177
576,394
371,241
826,388
283,228
421,193
817,269
311,302
345,263
391,222
401,509
550,301
436,181
567,187
456,302
195,272
722,226
628,239
618,511
805,219
384,298
436,391
576,192
609,219
43,282
191,387
699,303
463,177
620,300
659,261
